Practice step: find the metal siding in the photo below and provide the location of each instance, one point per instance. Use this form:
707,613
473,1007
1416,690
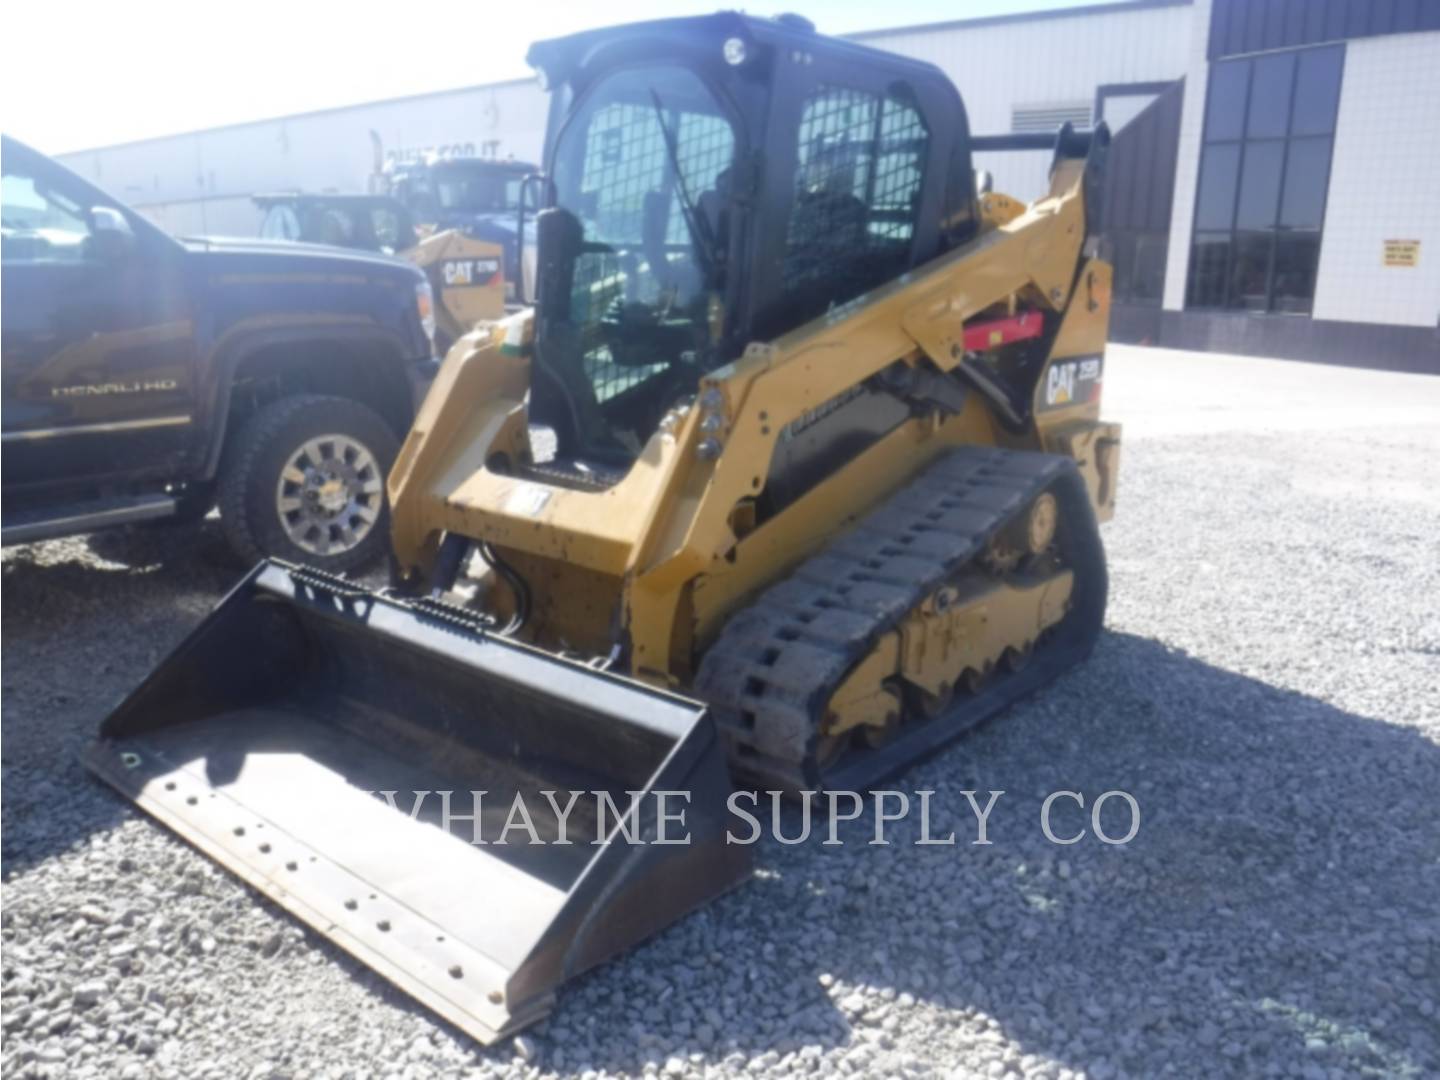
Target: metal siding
1293,20
1140,174
1382,16
1234,16
1274,23
183,181
1065,58
1335,19
1357,21
1249,26
1255,24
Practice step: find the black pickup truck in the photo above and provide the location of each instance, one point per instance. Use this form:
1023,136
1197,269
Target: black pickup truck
147,377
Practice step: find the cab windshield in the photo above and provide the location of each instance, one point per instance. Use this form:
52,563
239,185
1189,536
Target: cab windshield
643,166
473,190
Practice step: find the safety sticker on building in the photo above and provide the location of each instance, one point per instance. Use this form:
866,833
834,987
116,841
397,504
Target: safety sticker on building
1402,252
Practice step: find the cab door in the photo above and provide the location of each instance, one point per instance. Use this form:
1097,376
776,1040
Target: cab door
98,341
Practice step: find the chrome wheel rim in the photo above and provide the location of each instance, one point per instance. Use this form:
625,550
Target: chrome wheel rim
330,494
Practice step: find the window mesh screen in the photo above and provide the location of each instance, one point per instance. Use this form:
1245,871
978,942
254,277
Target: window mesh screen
858,182
897,172
626,159
705,146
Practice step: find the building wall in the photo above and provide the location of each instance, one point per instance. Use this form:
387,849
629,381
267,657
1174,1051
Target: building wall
1251,26
1003,63
1187,160
202,182
1387,154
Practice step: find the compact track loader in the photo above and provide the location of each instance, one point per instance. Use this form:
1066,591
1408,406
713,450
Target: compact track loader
792,474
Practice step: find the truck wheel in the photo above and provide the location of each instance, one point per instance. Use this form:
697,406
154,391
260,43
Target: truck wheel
304,480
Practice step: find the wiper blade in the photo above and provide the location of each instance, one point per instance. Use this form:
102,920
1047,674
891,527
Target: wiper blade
699,228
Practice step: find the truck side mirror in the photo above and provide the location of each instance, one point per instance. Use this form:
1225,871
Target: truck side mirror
111,237
525,260
560,238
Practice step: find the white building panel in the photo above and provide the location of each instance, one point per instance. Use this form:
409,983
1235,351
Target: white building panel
1387,153
1025,63
202,182
1187,161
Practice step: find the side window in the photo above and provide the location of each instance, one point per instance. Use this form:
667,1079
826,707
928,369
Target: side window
1264,177
386,228
38,224
860,160
337,228
281,223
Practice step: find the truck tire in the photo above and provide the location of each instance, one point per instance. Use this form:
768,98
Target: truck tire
304,480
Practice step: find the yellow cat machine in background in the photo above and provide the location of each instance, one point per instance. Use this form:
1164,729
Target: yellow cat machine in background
467,280
792,474
466,273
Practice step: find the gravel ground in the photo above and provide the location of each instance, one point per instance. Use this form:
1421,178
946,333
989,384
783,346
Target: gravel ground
1268,689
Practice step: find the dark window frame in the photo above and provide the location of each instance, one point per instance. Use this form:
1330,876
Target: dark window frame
1230,300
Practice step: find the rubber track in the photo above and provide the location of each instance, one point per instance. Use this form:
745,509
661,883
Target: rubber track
775,665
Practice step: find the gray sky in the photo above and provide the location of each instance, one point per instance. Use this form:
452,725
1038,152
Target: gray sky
95,72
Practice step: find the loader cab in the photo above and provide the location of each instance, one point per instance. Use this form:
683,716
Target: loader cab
719,180
460,193
364,222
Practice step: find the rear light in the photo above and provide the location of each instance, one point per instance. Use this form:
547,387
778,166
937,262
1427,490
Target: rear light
425,308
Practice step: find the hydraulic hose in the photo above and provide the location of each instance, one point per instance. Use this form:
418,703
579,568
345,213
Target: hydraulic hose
517,585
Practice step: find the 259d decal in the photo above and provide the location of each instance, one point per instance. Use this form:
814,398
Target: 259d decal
1071,382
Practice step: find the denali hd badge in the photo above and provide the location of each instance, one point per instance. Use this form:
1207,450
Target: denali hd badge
138,386
1071,382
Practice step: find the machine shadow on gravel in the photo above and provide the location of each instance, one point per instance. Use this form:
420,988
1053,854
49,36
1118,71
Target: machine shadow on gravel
1238,896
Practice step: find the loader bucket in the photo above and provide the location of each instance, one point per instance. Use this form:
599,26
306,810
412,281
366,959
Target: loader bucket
265,738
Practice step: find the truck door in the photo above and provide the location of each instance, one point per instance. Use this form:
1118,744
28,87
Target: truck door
98,344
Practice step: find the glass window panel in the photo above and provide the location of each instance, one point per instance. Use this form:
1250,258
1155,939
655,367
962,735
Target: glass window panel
1122,259
281,223
1215,204
1148,277
1270,96
1317,91
1208,260
1250,271
1307,176
41,225
1225,113
386,227
1260,185
1296,257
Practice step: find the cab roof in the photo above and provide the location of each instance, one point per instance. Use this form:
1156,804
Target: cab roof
559,58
